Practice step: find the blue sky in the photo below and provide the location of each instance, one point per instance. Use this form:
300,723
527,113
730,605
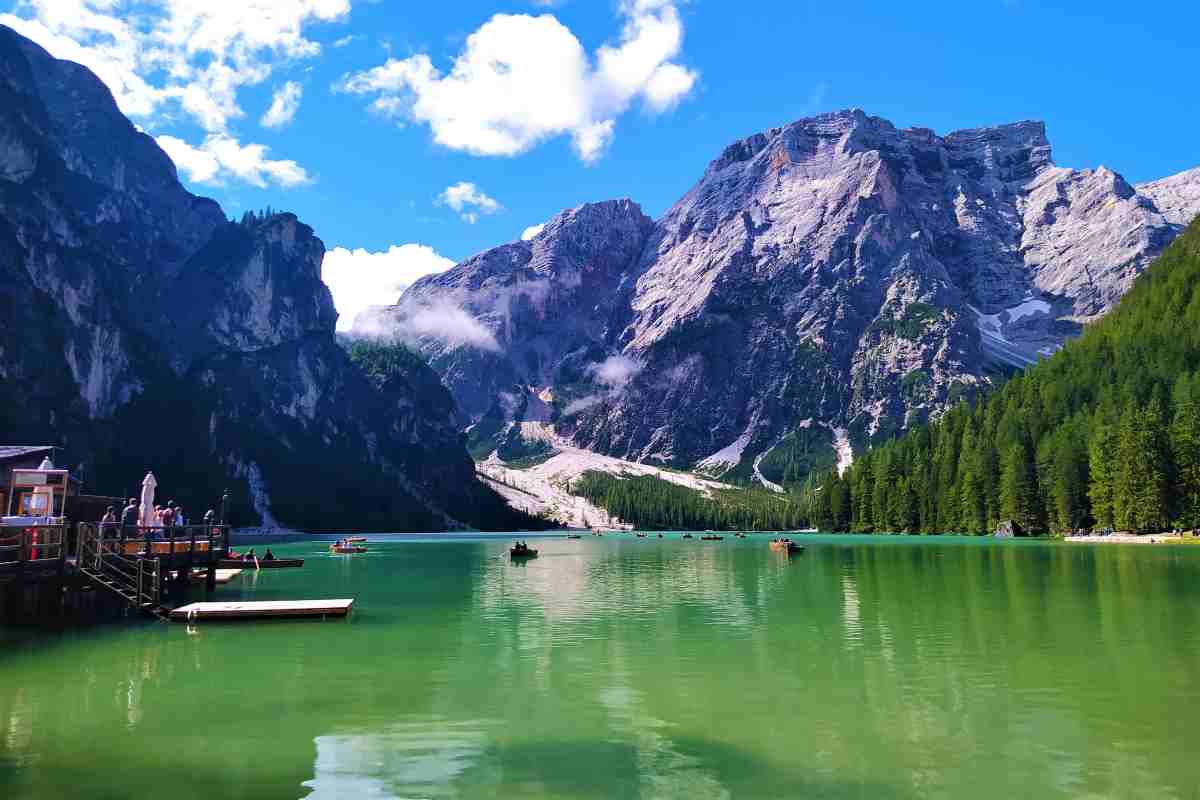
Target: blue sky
566,102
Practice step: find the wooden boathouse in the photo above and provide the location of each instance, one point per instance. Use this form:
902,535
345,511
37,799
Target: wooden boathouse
45,568
48,563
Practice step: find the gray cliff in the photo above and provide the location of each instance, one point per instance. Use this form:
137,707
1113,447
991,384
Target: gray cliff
144,330
837,273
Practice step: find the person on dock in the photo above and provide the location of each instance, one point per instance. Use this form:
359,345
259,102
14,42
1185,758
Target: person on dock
108,523
129,518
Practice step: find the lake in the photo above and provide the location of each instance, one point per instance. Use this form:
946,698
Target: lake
617,667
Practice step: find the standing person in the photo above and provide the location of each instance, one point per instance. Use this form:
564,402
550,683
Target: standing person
129,518
169,514
108,523
179,518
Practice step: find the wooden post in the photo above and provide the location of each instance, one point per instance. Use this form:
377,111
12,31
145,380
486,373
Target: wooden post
210,577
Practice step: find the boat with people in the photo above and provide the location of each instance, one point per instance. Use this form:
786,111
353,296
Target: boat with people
345,547
786,545
711,537
274,563
574,536
688,536
522,550
640,535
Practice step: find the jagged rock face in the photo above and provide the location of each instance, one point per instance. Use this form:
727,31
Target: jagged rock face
504,327
143,330
1177,197
837,270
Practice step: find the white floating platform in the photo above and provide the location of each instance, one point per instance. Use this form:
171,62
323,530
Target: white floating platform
223,575
262,610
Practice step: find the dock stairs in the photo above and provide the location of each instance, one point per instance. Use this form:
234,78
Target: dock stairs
134,579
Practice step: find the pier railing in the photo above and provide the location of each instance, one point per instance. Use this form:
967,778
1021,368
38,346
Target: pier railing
32,544
129,541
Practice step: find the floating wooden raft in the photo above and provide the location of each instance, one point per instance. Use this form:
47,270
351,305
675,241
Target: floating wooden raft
223,575
262,610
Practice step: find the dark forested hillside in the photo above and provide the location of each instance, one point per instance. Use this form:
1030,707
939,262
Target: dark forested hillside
1104,434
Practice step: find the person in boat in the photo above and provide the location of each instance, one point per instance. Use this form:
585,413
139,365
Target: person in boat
268,556
249,554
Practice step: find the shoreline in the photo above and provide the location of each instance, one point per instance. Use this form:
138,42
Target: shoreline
1132,538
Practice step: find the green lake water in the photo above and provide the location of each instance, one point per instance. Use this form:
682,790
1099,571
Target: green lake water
627,668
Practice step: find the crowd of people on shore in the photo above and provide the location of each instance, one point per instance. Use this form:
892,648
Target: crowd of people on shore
169,516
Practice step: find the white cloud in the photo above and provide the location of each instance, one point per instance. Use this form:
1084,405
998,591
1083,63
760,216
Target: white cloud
449,324
346,41
284,105
522,79
469,201
360,280
615,372
532,231
195,54
221,157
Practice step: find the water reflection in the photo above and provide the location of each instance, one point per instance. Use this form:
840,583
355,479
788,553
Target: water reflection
624,668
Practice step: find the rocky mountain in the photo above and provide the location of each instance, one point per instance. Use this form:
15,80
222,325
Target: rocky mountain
824,284
144,330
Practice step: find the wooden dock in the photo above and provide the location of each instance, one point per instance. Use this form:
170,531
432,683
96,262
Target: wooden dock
262,610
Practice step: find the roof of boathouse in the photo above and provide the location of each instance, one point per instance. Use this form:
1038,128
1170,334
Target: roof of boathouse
10,452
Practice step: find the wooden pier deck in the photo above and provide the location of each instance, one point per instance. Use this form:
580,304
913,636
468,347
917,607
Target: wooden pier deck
263,610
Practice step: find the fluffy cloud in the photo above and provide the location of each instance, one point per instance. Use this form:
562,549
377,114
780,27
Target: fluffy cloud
614,373
163,56
222,155
532,231
522,79
284,105
469,201
449,324
360,280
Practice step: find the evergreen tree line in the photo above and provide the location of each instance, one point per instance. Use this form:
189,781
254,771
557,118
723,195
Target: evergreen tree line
1104,434
651,503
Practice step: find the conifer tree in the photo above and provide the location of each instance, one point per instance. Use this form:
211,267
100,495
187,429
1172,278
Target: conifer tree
1185,450
1018,488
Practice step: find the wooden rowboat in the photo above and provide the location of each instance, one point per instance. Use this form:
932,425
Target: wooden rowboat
346,550
528,552
274,563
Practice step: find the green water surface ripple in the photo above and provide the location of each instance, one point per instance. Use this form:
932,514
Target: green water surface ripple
638,668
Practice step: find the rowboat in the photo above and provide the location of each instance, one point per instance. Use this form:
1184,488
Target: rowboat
687,536
786,545
523,552
354,539
574,536
274,563
346,549
711,538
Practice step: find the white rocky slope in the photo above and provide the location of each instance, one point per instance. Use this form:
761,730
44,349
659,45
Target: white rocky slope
544,489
